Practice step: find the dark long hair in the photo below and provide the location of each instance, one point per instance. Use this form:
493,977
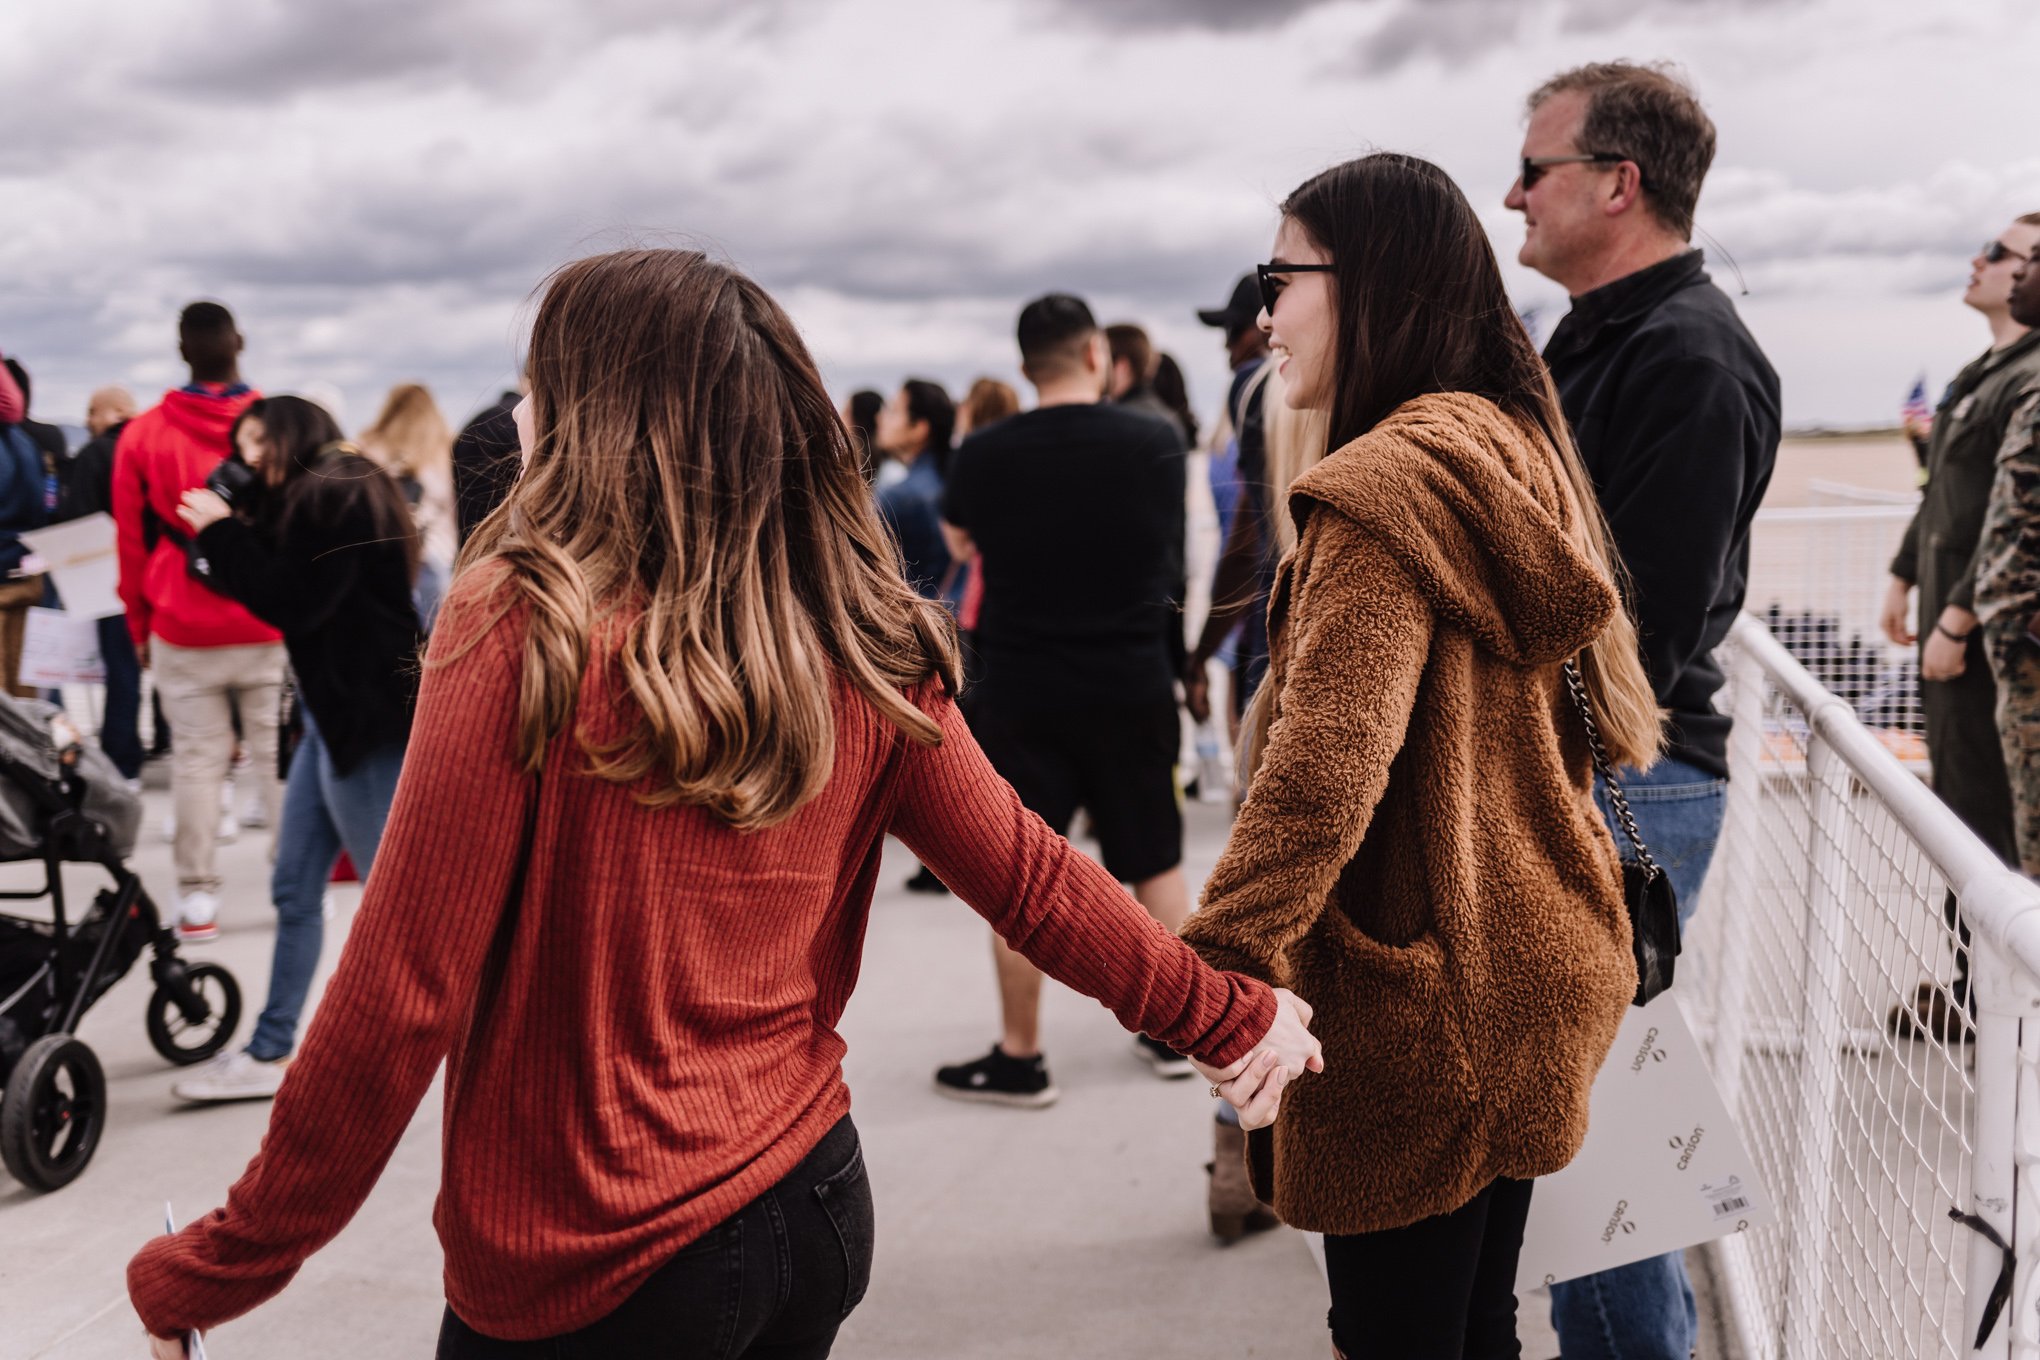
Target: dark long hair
1421,306
311,471
1421,309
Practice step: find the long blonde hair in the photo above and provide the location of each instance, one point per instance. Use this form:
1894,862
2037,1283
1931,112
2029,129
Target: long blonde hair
1294,440
409,436
691,485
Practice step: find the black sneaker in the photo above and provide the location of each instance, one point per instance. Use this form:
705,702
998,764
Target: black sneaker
1167,1062
997,1079
924,881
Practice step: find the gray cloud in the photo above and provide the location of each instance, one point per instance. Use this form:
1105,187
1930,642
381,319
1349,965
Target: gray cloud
1221,15
379,205
1455,32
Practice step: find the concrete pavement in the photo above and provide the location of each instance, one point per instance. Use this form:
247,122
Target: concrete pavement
1077,1231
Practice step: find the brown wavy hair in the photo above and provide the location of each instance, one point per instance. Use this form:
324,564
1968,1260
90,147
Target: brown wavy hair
693,500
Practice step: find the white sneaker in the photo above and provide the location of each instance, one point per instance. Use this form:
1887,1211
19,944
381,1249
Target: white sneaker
230,827
254,810
169,828
232,1076
197,913
328,907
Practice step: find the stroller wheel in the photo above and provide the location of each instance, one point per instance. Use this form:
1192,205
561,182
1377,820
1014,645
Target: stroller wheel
54,1111
191,1027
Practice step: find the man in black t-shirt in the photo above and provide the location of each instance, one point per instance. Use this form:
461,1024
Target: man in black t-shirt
1075,512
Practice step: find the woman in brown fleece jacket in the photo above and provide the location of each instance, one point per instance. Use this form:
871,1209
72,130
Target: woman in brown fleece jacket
1419,855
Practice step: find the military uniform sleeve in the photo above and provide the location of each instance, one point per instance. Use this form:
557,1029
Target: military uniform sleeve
2003,583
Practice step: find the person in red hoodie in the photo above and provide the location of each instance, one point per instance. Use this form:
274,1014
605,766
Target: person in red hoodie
209,654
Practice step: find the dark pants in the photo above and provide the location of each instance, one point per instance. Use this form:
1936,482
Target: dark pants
1967,755
120,733
1442,1289
773,1282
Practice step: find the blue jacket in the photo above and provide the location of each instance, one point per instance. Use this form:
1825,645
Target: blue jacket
912,509
22,500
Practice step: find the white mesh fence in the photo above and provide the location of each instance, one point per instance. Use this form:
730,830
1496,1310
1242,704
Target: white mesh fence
1827,910
1817,579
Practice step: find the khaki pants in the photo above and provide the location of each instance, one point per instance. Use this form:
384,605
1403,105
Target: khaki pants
200,688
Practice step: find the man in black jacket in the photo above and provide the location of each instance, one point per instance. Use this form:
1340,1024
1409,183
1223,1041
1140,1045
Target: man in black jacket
1676,412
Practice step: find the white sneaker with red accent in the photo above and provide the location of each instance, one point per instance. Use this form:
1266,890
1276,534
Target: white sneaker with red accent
197,914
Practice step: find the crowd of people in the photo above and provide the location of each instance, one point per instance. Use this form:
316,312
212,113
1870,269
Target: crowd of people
700,638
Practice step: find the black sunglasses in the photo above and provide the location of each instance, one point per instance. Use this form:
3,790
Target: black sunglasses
1268,273
1535,166
1998,250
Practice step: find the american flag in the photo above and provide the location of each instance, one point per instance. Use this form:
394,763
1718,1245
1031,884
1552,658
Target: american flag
1916,410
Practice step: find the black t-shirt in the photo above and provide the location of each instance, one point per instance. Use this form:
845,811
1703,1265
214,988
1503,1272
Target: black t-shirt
1077,513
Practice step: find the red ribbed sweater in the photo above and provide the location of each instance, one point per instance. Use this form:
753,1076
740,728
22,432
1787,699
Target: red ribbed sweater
637,1007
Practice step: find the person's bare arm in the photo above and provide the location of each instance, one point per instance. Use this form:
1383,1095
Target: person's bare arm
962,548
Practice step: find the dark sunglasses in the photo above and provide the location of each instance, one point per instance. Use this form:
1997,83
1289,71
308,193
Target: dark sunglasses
1535,166
1269,273
1998,250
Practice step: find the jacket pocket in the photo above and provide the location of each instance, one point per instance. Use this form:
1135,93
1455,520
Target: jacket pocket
845,1197
1391,1021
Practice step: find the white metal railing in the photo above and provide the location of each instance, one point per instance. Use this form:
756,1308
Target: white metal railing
1824,909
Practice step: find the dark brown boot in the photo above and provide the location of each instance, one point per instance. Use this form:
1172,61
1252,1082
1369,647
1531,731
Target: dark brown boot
1235,1211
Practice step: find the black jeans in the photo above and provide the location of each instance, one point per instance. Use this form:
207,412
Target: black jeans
773,1282
1442,1289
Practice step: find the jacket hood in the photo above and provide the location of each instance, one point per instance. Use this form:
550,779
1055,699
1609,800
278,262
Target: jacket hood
205,419
1477,509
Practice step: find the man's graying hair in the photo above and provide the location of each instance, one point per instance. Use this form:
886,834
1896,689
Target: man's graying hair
1650,115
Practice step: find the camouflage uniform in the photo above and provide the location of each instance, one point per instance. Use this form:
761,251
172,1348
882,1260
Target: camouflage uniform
2007,599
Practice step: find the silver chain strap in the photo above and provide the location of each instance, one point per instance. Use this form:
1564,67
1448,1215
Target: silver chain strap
1606,769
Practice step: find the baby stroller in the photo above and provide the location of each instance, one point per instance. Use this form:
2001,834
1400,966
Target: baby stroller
62,801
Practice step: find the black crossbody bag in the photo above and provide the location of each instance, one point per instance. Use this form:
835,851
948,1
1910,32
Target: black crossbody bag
1646,887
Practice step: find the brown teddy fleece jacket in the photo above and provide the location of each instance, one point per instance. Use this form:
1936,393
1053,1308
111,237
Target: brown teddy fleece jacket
1419,856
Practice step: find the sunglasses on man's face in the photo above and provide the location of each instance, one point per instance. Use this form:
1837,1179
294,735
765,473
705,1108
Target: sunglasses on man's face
1272,282
1998,251
1535,166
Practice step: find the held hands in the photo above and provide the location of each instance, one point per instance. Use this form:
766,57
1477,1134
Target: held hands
201,508
1253,1085
164,1348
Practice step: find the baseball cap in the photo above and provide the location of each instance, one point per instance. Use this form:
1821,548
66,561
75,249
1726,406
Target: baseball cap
1240,311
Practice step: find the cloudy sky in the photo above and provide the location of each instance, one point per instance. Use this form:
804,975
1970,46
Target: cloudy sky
376,186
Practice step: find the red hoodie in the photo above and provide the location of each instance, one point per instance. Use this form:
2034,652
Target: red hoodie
162,454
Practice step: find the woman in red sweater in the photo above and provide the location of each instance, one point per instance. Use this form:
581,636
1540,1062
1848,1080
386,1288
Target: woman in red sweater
677,697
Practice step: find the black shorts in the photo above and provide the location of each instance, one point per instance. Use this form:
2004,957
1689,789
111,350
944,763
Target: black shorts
1117,763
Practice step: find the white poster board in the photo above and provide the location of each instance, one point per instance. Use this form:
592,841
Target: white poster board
1663,1166
80,557
59,648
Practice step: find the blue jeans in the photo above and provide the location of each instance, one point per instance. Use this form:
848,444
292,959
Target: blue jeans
323,811
1645,1310
120,734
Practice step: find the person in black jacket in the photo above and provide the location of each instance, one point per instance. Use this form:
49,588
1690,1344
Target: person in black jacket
1676,412
88,490
321,546
486,458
